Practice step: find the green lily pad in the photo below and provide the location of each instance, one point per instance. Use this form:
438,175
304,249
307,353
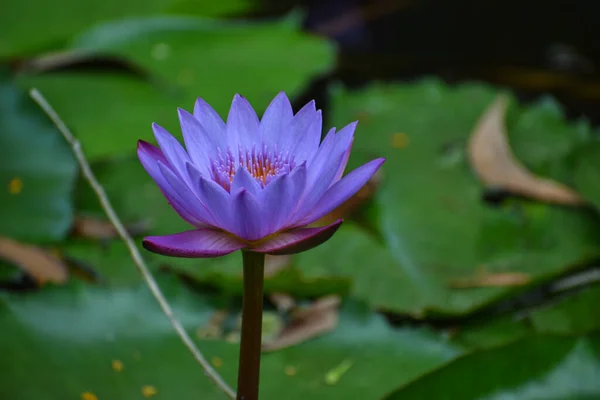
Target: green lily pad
435,227
32,25
586,173
534,368
133,194
544,140
37,171
63,342
125,118
573,314
107,262
186,58
211,8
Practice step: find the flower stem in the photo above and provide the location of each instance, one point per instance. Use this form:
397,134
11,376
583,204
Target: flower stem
250,348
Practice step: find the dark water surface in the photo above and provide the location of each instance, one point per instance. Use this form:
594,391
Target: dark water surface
533,47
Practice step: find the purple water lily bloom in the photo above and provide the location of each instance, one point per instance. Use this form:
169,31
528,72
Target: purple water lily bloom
250,184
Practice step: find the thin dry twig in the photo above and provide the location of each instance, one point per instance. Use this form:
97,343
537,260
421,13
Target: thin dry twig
135,254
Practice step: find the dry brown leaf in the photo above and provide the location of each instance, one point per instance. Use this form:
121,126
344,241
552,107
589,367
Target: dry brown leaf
41,265
495,164
500,279
283,301
93,228
321,317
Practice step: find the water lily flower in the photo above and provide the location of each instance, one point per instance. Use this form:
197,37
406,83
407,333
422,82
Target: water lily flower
251,184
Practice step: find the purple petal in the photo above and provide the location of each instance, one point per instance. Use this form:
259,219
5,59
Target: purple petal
323,168
276,120
249,223
149,157
189,201
297,240
342,190
329,159
200,144
150,154
277,198
244,180
210,120
172,150
281,197
341,140
242,124
219,202
200,243
343,164
305,133
298,177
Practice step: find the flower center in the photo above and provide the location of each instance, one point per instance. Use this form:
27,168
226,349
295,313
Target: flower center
262,163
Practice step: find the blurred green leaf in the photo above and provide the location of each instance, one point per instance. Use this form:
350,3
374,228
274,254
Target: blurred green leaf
211,8
535,368
28,26
68,338
586,174
108,112
105,261
133,194
37,171
435,227
186,58
544,140
576,313
493,331
570,314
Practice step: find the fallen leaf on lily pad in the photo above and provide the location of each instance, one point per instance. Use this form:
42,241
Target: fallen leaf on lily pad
321,317
496,279
282,301
492,159
41,265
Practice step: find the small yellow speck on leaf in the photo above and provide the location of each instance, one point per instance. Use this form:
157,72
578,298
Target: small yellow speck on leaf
290,370
88,396
149,391
333,376
117,365
15,186
400,140
217,362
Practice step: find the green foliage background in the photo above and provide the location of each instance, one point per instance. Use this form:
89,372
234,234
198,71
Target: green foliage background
110,68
